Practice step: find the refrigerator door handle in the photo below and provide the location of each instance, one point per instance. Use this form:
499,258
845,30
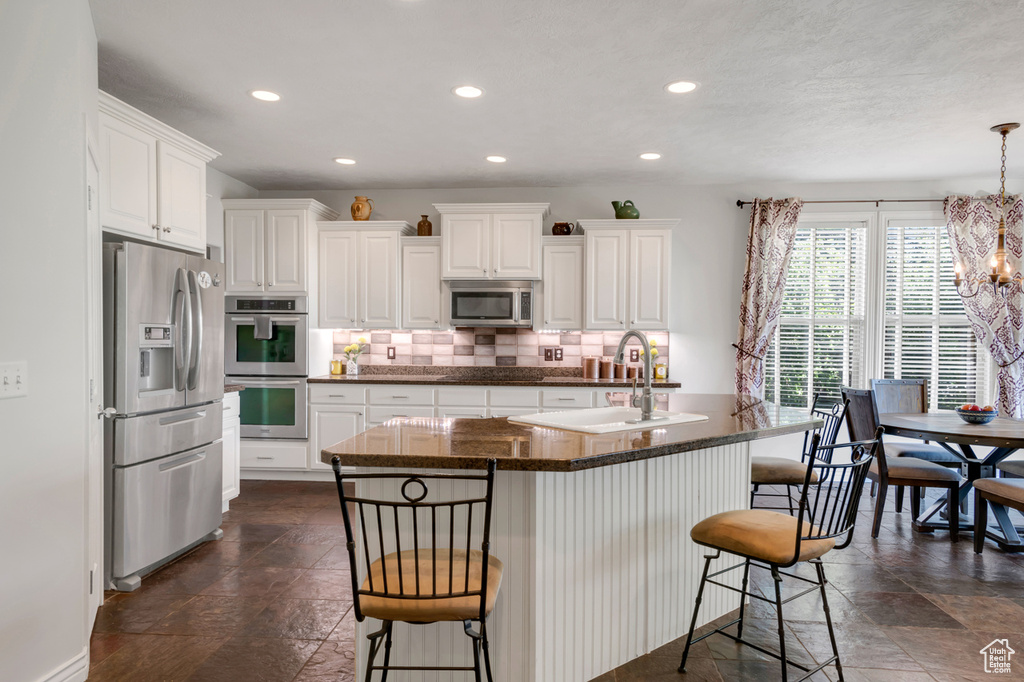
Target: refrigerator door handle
196,329
183,347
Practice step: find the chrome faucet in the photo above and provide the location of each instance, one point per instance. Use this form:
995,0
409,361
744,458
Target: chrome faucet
645,401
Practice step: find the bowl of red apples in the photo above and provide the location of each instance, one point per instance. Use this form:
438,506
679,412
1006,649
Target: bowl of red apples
972,414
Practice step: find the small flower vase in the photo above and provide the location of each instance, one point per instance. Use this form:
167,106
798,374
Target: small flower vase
352,367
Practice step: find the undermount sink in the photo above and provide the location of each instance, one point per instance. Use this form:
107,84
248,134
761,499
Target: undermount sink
605,419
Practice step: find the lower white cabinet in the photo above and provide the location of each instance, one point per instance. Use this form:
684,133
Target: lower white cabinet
273,454
231,437
330,424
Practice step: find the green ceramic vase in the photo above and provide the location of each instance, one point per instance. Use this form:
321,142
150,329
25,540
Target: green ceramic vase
625,210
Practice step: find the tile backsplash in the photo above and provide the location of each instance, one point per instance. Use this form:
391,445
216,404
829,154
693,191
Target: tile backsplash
486,347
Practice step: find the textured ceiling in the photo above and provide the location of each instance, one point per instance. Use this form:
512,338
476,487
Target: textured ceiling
793,90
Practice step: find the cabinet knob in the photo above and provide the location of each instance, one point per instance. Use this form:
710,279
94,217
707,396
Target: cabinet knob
259,284
156,227
270,284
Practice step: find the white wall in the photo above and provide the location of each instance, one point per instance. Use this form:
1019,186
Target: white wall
220,186
48,49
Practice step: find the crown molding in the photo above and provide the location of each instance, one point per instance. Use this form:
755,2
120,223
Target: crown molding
320,211
414,240
405,229
628,224
112,106
448,209
562,240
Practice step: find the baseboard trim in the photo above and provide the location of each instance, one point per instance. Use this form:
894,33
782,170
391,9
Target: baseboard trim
75,670
271,475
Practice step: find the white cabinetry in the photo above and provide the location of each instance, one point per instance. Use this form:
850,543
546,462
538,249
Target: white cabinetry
491,241
561,289
153,178
627,273
421,283
231,437
360,269
269,244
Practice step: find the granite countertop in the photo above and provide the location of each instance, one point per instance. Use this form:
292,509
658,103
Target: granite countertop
233,388
420,443
462,380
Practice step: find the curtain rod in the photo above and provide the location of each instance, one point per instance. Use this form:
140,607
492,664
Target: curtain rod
740,203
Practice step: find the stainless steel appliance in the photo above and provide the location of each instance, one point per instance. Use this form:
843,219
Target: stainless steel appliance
164,380
487,303
265,351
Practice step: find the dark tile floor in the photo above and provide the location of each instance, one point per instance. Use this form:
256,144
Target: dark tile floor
272,601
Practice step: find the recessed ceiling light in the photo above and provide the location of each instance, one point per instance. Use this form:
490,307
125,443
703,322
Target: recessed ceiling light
265,95
468,91
497,159
345,162
650,156
679,87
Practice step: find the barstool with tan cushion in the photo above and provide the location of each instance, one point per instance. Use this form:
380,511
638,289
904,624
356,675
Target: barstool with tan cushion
824,520
998,492
428,578
782,471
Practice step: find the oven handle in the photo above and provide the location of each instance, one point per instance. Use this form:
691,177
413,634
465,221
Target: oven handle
267,383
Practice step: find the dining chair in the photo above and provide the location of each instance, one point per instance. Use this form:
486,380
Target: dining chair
790,472
445,571
862,418
909,396
775,540
998,492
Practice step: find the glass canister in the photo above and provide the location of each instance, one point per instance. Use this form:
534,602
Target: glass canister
337,367
661,371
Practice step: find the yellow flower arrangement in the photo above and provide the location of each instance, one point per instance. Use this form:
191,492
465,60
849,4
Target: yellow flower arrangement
354,350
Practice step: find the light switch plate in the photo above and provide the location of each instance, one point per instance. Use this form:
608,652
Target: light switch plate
549,354
391,352
13,379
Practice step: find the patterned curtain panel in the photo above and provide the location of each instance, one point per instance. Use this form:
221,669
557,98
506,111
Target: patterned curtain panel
997,320
769,246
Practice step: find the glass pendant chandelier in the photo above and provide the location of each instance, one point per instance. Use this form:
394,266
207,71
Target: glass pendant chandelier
1001,275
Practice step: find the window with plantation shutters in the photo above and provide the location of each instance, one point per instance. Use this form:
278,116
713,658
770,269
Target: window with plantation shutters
927,334
819,344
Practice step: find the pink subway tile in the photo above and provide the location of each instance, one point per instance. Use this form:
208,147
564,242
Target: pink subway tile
484,361
462,360
505,340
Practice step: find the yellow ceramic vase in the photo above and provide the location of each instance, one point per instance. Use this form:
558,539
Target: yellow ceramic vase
362,207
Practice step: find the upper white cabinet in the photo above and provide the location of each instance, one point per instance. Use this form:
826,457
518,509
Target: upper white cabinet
269,243
561,289
627,273
421,283
491,241
153,178
359,273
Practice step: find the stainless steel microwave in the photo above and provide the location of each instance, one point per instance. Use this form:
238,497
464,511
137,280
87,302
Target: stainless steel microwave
487,303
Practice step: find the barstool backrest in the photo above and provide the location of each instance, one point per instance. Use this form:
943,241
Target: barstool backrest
832,414
830,505
403,513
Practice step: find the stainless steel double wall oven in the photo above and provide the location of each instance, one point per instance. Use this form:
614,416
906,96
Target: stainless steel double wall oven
265,351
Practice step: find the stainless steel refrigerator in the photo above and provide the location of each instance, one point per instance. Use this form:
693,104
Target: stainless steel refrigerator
164,382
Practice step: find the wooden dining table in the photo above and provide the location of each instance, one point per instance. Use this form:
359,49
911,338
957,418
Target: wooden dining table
947,429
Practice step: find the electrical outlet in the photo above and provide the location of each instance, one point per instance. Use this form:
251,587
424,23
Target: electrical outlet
391,352
558,354
634,355
549,354
13,379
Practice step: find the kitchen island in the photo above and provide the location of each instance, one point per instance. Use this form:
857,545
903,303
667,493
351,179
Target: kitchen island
593,530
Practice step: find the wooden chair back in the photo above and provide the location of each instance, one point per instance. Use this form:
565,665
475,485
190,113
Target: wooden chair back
862,421
900,395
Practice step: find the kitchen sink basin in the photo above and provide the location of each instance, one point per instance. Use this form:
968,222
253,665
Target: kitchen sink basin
605,419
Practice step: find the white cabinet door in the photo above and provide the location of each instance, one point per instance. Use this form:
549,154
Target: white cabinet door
330,425
516,246
379,284
286,251
181,210
466,245
128,182
338,276
243,250
232,432
421,286
562,299
650,252
606,279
